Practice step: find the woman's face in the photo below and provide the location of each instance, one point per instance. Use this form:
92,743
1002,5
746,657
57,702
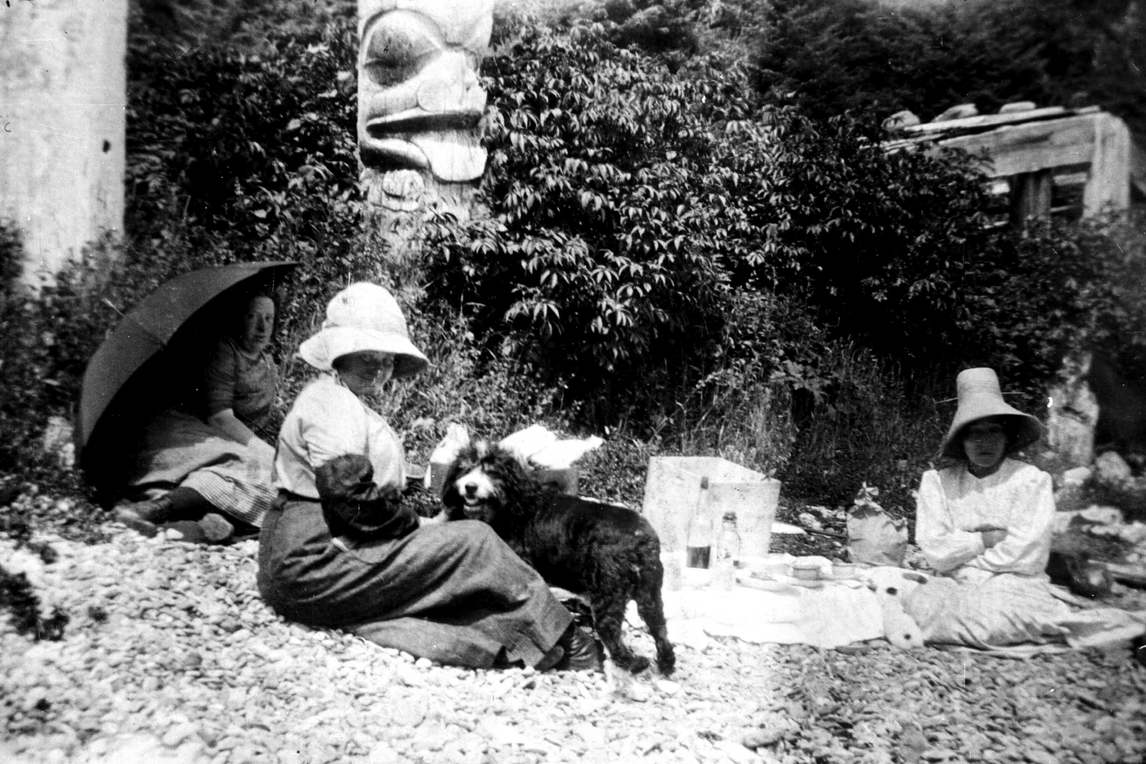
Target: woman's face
365,373
258,323
985,444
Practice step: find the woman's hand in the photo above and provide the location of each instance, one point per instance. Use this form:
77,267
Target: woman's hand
230,426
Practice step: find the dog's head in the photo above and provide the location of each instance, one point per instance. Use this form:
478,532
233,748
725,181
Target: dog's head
485,482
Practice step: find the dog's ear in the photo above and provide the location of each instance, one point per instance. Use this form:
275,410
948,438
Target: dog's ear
520,487
463,461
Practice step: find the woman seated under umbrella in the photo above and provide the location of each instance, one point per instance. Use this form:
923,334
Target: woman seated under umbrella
209,477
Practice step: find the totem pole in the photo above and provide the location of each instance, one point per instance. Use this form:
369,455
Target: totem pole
419,103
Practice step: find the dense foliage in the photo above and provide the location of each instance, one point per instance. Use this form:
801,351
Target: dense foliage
669,258
833,55
630,204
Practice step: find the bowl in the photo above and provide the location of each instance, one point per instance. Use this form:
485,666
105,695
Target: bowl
844,570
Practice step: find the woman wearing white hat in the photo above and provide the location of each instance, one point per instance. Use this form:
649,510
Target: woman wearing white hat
338,549
984,522
986,513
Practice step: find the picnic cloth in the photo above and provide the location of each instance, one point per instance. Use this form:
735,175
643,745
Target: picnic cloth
832,614
827,616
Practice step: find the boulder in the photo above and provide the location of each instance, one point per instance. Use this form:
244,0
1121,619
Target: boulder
1072,414
1111,469
900,120
1017,106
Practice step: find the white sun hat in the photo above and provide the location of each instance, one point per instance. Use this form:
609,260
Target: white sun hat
362,317
980,397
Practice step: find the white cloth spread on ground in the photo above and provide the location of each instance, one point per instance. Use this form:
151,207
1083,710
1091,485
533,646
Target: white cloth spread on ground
835,613
830,615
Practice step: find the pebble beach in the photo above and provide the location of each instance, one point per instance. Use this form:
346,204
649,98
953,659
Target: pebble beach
168,654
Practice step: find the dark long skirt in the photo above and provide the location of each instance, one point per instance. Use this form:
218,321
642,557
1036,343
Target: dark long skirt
451,592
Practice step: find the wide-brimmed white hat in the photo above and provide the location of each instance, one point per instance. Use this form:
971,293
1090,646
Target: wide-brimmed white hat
979,398
361,317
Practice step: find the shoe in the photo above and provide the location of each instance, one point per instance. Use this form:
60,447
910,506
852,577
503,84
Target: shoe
145,516
582,652
216,528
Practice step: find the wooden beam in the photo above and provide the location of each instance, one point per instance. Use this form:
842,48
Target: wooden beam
1018,149
984,121
1028,146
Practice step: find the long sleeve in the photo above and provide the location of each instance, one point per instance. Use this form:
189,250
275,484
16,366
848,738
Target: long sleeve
219,379
1026,546
328,421
945,546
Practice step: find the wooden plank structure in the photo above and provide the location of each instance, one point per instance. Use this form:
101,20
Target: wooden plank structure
1028,148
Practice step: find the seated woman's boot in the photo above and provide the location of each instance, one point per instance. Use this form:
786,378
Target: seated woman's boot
145,516
582,652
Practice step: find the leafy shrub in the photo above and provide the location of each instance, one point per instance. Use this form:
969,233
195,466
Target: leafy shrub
876,422
597,257
254,152
1055,289
664,262
818,210
629,205
50,336
11,257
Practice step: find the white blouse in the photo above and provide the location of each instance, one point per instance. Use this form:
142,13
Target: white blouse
328,420
952,502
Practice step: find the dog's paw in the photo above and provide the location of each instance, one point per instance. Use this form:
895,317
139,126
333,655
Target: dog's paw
635,665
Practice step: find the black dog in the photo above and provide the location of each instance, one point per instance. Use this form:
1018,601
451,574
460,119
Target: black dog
609,553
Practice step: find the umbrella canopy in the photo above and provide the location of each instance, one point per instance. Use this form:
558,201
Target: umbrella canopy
121,381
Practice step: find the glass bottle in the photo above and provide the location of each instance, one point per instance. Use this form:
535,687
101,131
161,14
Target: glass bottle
727,551
698,537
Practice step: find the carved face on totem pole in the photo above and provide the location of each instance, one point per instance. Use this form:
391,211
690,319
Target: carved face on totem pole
419,95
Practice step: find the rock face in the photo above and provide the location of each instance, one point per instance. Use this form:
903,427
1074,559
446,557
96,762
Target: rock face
961,111
62,126
1122,407
1072,415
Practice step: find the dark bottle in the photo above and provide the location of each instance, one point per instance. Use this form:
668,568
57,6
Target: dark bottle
698,538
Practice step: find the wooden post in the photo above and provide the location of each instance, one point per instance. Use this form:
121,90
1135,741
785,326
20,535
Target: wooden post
1108,182
1031,196
62,125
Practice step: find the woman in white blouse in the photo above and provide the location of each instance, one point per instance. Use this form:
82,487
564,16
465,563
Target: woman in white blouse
984,521
986,512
